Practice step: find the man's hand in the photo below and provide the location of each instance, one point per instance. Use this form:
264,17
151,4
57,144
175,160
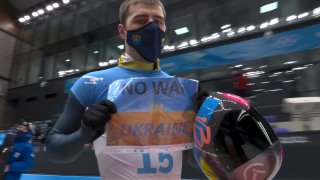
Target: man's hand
198,99
97,115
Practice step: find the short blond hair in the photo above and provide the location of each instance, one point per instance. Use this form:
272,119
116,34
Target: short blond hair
124,8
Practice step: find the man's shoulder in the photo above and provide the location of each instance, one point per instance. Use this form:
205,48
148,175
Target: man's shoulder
97,77
102,73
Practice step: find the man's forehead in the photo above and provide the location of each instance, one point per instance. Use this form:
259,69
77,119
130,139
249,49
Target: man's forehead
22,126
141,9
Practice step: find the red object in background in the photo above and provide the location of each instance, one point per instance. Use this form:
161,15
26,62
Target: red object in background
241,83
240,87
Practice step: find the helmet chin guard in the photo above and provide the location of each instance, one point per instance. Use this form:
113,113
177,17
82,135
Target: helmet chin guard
232,140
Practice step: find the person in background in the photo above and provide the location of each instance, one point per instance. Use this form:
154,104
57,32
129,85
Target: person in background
21,157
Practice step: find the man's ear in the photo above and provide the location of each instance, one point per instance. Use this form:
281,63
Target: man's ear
122,31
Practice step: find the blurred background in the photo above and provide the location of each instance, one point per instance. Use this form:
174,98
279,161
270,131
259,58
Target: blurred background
266,50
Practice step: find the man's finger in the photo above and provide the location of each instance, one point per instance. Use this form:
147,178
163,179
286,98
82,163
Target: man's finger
110,105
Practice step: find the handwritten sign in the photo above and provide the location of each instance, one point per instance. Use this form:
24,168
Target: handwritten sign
151,112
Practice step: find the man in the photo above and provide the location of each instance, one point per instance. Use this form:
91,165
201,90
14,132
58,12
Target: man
142,26
21,157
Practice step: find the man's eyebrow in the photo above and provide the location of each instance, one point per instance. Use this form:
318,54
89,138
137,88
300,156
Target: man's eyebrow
144,16
159,17
140,16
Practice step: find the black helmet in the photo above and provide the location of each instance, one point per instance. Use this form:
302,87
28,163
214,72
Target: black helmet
233,141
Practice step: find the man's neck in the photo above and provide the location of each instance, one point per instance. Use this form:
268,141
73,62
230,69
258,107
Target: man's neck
134,54
129,62
127,58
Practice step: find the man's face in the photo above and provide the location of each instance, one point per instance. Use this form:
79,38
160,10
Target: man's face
140,15
22,128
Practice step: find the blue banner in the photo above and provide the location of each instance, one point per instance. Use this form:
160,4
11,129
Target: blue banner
297,40
280,43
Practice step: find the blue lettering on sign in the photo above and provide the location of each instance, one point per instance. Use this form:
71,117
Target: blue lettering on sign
148,129
137,129
147,169
161,129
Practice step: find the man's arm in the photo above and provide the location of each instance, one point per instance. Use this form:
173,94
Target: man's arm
77,126
66,139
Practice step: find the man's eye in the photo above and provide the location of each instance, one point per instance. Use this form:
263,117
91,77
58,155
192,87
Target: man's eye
141,21
160,23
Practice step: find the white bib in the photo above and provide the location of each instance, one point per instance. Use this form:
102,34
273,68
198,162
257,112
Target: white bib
137,166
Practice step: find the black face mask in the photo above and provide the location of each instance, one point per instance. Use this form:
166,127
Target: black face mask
147,41
21,133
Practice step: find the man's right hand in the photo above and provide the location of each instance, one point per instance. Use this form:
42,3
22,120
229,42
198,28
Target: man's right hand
97,115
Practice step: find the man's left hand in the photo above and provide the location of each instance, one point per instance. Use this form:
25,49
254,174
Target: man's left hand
198,99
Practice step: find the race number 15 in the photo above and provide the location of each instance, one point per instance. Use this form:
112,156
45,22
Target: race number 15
163,159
